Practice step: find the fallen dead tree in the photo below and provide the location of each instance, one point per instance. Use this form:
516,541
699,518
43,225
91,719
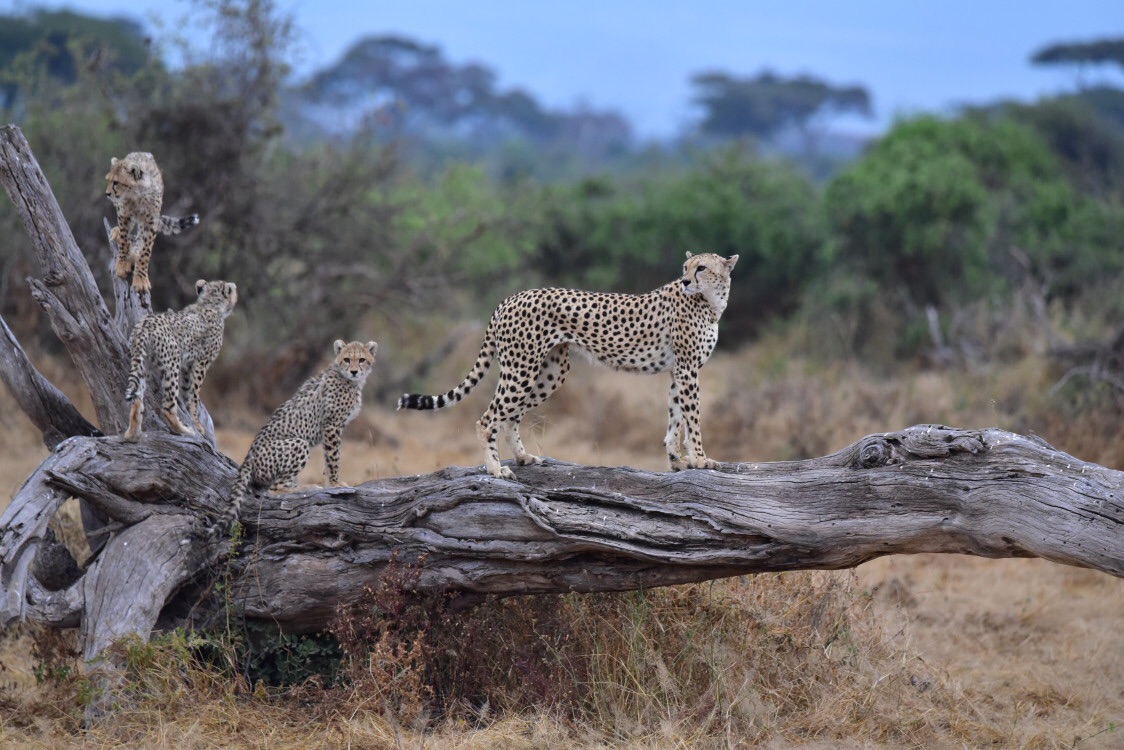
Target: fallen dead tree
559,528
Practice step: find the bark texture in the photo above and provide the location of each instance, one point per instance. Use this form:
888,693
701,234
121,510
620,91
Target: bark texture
559,527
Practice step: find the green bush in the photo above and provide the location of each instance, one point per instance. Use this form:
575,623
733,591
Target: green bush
947,210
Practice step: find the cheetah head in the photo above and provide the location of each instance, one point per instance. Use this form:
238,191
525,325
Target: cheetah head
220,294
127,174
708,274
354,359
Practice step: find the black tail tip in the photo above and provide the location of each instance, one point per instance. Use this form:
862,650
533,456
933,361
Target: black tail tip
415,401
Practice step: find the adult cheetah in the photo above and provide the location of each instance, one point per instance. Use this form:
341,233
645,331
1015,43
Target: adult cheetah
671,329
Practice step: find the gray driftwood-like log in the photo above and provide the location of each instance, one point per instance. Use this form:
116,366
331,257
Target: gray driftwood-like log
559,528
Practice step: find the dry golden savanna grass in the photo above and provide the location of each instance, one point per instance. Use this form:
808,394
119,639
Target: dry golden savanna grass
921,651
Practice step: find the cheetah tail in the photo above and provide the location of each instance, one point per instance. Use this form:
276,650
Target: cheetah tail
233,510
134,386
177,224
483,362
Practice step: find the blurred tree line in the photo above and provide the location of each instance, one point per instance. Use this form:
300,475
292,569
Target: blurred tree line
404,218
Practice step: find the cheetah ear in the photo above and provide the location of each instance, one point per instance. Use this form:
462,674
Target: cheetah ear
137,172
690,254
199,285
338,345
112,160
231,289
373,347
730,262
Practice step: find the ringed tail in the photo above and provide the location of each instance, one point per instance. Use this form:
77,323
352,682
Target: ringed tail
483,362
233,510
134,386
177,224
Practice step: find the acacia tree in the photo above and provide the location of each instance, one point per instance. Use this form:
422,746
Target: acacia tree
1100,52
766,104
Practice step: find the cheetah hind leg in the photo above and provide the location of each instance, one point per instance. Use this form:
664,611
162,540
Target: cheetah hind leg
550,377
170,408
486,430
293,455
136,418
522,457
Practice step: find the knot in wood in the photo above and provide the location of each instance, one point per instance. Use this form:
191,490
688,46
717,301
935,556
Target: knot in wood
876,452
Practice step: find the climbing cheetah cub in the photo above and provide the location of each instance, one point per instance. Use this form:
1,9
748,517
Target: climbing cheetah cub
318,411
673,328
182,344
136,189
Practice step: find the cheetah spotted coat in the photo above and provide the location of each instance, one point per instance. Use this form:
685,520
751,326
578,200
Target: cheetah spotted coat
671,329
318,411
182,345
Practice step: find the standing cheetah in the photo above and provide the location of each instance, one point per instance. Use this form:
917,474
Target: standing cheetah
673,328
182,344
136,189
318,411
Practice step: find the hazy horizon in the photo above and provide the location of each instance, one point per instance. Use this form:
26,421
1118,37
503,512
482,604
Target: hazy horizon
637,57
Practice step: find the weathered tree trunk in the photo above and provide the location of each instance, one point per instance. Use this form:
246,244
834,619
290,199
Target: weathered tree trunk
560,527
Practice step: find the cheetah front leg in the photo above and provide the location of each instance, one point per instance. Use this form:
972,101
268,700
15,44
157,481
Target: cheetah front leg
120,235
146,239
683,423
673,440
333,437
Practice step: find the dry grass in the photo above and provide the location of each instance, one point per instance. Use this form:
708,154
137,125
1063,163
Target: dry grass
932,651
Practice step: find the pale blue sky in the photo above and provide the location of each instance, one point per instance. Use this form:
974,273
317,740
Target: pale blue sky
637,55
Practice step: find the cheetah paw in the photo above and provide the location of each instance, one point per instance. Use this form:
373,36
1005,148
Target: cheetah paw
693,462
502,472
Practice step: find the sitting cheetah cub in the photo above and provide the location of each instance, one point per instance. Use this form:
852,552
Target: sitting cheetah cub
136,189
673,328
182,344
318,411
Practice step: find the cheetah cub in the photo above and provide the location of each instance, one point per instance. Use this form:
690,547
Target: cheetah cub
317,412
671,329
136,189
182,344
